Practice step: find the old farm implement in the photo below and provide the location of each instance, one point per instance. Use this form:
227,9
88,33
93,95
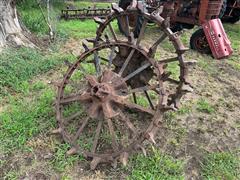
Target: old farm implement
84,13
114,96
183,15
111,101
187,14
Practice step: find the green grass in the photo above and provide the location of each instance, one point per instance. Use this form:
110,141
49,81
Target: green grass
233,32
157,166
24,119
19,65
77,29
218,166
32,17
82,4
34,21
61,161
205,107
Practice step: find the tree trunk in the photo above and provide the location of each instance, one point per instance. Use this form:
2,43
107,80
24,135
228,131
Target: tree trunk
11,32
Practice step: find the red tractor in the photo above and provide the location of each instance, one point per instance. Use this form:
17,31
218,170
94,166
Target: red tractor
185,15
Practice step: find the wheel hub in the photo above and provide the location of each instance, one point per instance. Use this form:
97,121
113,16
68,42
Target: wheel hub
101,91
102,94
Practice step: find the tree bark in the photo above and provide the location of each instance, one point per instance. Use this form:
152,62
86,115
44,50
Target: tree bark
11,32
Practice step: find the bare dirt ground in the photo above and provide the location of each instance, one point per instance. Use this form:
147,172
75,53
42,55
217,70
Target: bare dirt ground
202,133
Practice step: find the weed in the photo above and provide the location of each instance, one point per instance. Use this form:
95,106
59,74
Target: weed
11,175
80,4
185,109
221,166
18,66
158,166
77,29
61,161
205,107
24,119
33,18
34,21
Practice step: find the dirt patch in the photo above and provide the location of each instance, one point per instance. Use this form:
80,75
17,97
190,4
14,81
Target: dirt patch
2,108
73,46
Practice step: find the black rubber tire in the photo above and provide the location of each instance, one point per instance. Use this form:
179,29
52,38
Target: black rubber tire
194,42
124,4
181,26
138,26
234,18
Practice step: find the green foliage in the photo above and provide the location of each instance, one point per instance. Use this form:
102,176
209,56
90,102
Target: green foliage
158,166
19,65
32,17
61,161
24,119
217,166
77,29
84,4
205,107
34,21
233,32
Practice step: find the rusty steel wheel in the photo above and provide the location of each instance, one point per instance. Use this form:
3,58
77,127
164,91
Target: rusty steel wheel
176,69
114,96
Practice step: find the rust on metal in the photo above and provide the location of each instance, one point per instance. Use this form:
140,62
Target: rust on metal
84,13
98,110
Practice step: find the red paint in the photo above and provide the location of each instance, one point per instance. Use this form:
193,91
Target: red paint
217,39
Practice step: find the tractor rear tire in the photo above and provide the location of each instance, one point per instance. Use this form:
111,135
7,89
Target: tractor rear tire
124,4
198,42
235,16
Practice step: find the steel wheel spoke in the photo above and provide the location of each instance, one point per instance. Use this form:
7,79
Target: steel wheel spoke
100,57
126,62
70,118
153,49
172,81
144,88
97,63
168,60
111,56
93,109
139,108
133,106
113,32
141,34
149,99
145,66
128,122
134,97
70,98
96,138
113,135
80,130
